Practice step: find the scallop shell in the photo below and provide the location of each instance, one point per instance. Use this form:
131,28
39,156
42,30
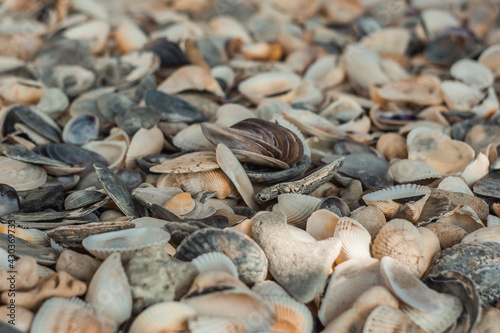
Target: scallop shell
472,73
21,176
180,204
208,181
297,208
400,240
215,261
188,163
59,315
154,318
279,85
388,319
34,236
125,242
321,224
356,240
459,96
144,142
290,315
248,257
463,216
388,200
483,235
109,292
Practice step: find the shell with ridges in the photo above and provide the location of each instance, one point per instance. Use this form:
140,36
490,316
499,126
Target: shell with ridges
297,208
209,324
30,235
483,235
215,261
472,73
388,319
208,181
21,176
463,216
154,318
408,171
291,316
454,184
355,239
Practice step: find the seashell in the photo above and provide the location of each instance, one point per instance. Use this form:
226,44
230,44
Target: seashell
355,166
42,254
34,236
172,108
215,261
200,324
191,78
356,240
125,242
109,292
187,163
348,282
24,318
290,315
279,85
464,217
25,273
113,151
237,304
313,124
321,224
385,318
433,21
144,142
492,220
325,73
249,259
192,138
14,90
57,77
109,105
459,96
79,199
81,129
209,181
21,176
153,319
9,200
230,114
74,315
448,234
489,58
95,32
70,155
235,172
392,145
476,169
129,36
420,90
472,73
400,201
180,204
296,207
488,106
370,217
135,118
224,75
388,41
438,151
270,232
400,240
454,184
80,266
483,235
53,103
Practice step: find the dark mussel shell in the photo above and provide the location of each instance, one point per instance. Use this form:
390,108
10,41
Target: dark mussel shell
449,46
81,129
173,109
71,154
23,114
131,178
170,53
9,200
135,118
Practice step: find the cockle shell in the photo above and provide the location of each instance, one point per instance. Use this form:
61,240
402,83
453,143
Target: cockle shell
297,208
109,292
59,315
208,181
388,319
126,242
370,217
401,240
463,216
153,319
215,261
454,184
409,171
356,240
23,321
448,234
290,315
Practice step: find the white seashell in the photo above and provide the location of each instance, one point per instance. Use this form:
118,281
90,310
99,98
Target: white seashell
355,239
296,207
59,315
229,27
224,73
477,169
493,220
209,324
402,241
459,96
192,138
363,67
95,32
472,73
488,106
432,246
388,40
385,318
144,142
489,234
463,216
300,234
435,20
325,72
230,114
321,224
268,288
129,36
109,292
454,184
279,85
155,319
307,93
209,181
408,171
190,77
113,151
268,108
126,242
148,222
215,261
290,315
490,58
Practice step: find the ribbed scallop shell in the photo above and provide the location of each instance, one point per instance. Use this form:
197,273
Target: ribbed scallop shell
472,73
400,240
290,315
215,324
34,236
109,292
215,261
386,319
59,315
454,184
408,171
450,308
126,242
297,208
483,235
180,204
209,181
355,239
144,142
155,318
409,209
321,224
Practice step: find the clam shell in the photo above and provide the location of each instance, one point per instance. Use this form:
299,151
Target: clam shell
476,170
392,145
209,181
363,67
463,216
297,208
448,234
129,36
34,236
280,85
321,224
356,240
400,240
126,242
144,142
459,96
21,176
291,316
73,315
113,151
489,58
192,138
385,318
172,108
56,77
472,73
95,32
180,204
248,257
421,90
483,235
371,218
325,73
191,78
400,201
153,319
188,163
215,261
206,324
109,292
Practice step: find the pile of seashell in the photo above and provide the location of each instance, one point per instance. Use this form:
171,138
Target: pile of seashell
249,166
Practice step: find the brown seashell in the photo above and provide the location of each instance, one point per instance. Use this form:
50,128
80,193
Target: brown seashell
420,90
129,36
180,204
80,266
191,78
392,145
188,163
13,90
448,234
26,276
210,181
464,217
23,321
370,217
